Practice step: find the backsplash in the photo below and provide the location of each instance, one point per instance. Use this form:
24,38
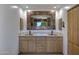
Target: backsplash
40,32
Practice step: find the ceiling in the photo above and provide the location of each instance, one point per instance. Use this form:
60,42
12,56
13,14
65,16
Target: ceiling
43,6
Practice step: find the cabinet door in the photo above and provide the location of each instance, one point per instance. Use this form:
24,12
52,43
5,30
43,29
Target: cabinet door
59,44
41,45
32,45
23,45
54,44
51,45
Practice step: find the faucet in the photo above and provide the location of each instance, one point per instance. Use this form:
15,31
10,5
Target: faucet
52,32
30,32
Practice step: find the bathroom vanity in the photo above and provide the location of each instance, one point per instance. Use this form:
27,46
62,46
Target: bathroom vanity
41,44
40,36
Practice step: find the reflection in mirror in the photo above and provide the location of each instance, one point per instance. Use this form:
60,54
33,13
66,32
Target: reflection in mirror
41,20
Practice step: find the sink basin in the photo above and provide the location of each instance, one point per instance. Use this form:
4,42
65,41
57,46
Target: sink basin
42,35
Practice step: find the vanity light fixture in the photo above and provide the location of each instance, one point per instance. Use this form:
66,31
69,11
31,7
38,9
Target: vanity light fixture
14,6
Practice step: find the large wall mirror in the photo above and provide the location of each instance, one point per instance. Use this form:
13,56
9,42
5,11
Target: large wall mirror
40,20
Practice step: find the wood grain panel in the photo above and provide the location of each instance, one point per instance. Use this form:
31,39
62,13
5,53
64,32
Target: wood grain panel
23,45
73,31
41,44
51,42
70,48
32,45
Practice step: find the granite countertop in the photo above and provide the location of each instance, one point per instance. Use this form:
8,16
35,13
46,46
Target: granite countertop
42,35
57,34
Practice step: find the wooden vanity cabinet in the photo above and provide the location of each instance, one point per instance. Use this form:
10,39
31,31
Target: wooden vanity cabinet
42,44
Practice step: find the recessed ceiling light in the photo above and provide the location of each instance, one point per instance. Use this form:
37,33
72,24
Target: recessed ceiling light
67,7
29,10
14,6
27,7
54,7
52,10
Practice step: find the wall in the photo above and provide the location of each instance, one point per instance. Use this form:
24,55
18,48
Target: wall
63,15
9,27
38,31
65,41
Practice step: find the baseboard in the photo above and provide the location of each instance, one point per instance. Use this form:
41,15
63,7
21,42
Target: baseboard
8,52
41,53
